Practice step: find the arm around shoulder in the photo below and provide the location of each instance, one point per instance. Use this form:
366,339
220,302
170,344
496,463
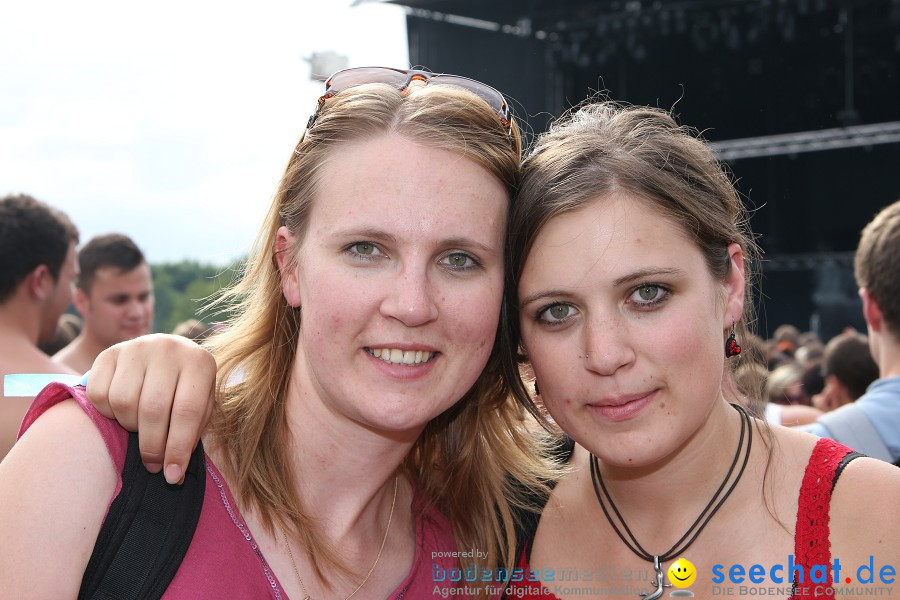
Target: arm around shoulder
55,487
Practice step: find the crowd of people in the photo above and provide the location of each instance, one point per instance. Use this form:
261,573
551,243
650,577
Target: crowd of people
364,417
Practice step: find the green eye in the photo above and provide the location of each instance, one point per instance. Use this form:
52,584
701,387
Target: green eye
364,248
560,311
648,293
458,261
557,314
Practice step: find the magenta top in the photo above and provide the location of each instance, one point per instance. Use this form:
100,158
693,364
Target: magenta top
224,561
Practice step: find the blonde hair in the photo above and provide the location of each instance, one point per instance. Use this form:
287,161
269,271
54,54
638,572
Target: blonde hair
606,147
473,461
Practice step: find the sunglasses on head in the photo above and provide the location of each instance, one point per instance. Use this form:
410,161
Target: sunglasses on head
400,79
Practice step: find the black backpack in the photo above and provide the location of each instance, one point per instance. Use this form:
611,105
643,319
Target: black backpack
147,531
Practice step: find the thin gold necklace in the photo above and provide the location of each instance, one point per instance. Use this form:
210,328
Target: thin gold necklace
287,545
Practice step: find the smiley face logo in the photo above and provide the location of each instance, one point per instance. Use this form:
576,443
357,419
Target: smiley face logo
682,573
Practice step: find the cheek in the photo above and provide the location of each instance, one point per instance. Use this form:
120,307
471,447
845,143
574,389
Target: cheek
471,315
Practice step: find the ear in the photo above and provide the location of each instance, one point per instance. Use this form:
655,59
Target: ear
734,287
40,283
81,301
285,250
871,311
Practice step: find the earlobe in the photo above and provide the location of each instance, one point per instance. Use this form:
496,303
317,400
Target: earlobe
287,266
734,285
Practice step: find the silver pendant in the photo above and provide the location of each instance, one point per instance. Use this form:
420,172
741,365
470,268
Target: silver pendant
659,582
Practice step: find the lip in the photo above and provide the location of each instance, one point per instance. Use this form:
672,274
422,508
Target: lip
404,347
403,372
622,408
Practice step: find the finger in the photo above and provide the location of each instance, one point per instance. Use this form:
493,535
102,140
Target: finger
124,388
190,413
102,373
154,411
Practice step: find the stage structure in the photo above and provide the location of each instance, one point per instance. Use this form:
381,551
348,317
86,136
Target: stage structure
800,97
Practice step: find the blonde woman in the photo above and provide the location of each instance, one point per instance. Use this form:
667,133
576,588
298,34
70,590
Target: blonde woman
362,430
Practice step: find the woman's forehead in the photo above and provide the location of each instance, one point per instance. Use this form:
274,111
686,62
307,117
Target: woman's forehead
392,183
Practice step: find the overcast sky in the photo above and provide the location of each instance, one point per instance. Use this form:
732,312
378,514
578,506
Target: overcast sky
170,121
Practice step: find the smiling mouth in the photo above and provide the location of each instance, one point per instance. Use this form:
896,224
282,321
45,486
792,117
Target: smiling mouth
395,356
680,579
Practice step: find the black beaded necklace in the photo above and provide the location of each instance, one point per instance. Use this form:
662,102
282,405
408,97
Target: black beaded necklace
715,503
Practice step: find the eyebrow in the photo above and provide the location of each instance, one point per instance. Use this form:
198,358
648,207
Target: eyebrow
645,273
636,276
540,295
378,234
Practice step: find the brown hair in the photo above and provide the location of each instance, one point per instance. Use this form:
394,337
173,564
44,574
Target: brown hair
469,462
847,357
605,147
877,264
109,250
32,233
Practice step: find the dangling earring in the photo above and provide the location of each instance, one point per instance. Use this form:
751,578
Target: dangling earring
537,391
731,346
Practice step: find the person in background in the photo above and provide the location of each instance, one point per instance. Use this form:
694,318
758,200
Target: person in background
67,329
871,424
194,329
114,296
786,339
848,369
37,270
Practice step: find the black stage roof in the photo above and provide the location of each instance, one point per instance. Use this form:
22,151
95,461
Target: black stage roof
800,97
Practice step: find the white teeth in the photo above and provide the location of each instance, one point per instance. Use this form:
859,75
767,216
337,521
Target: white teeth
401,357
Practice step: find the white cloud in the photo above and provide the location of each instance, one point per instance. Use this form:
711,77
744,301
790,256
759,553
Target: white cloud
171,121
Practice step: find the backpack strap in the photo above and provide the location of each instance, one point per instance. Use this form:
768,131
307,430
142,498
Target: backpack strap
147,531
850,426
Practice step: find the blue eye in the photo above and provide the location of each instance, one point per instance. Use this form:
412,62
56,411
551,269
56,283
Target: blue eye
556,313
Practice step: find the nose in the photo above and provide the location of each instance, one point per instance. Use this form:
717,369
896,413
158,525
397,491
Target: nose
410,299
607,346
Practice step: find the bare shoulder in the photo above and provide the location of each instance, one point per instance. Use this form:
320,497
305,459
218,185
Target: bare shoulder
865,528
793,447
868,490
55,486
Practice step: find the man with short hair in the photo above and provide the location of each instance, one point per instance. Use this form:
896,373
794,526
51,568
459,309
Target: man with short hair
114,296
872,423
848,369
37,270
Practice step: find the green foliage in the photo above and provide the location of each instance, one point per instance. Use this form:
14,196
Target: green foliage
182,288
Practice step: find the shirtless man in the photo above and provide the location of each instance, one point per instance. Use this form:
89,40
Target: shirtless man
37,270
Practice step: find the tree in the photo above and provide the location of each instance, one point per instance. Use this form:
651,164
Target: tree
183,288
